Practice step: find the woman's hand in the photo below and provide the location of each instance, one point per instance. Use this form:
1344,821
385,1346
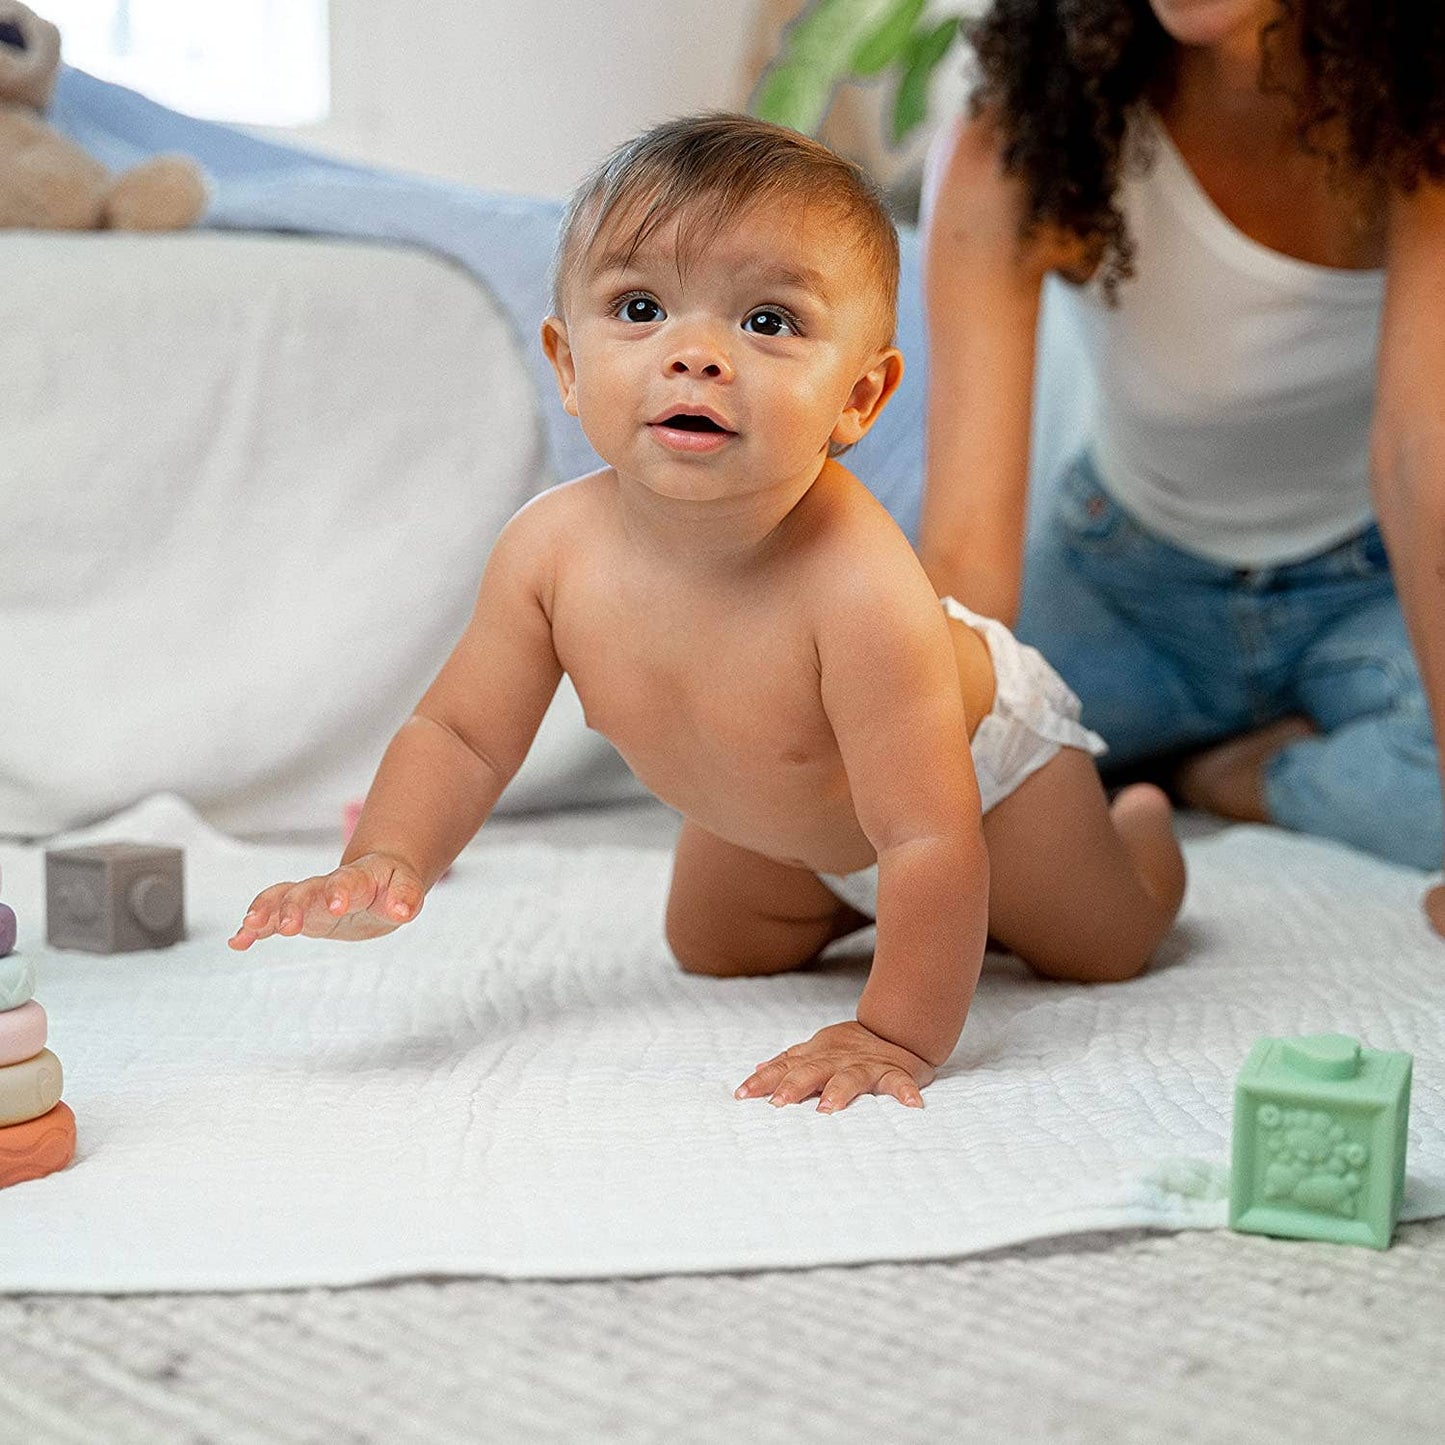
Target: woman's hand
365,898
839,1063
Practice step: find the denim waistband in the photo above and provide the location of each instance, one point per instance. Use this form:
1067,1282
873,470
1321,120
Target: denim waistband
1098,521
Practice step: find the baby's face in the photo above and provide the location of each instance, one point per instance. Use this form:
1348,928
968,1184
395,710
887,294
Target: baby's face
734,376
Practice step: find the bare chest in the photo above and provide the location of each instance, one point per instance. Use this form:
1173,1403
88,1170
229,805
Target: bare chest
716,708
1287,200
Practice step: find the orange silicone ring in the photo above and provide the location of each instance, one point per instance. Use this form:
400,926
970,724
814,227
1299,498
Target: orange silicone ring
37,1147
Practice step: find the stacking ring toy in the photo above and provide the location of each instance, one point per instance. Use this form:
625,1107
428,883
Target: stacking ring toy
40,1146
17,982
30,1089
22,1033
7,929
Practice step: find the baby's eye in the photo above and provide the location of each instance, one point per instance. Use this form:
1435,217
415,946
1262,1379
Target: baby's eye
770,321
640,309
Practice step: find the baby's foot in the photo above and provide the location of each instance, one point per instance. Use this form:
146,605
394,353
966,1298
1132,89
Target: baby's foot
1228,778
1143,820
1435,908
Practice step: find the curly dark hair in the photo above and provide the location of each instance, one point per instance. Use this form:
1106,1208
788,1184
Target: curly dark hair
1063,77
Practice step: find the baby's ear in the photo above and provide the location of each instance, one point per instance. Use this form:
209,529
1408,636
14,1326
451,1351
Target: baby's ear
559,353
869,396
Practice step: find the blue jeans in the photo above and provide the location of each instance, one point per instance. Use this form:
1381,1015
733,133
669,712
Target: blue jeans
1169,651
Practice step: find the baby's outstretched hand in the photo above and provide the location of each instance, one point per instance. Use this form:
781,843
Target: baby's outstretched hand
839,1063
365,898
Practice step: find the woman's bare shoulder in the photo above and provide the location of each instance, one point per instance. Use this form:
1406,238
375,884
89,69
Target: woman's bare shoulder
979,207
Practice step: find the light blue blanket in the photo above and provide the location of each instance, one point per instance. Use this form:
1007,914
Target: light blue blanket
505,242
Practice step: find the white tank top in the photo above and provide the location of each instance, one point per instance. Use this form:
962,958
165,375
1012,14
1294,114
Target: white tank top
1235,384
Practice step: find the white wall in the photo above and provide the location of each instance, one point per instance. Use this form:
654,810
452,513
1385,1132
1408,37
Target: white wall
521,95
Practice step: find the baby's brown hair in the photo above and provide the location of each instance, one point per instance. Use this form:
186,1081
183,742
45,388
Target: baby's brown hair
731,162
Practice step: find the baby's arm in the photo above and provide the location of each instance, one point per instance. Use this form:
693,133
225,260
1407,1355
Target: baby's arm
444,770
891,690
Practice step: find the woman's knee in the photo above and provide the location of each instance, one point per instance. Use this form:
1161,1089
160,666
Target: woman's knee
1373,783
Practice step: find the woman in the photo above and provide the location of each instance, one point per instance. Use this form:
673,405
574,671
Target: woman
1249,199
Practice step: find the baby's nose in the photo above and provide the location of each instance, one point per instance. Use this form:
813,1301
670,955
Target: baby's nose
700,356
682,366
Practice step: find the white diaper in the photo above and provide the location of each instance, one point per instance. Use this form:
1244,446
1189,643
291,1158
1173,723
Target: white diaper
1034,714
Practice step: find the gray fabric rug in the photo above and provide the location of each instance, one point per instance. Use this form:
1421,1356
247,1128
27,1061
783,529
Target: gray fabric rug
1187,1337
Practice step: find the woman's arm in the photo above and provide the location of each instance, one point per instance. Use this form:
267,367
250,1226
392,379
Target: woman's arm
1407,461
982,288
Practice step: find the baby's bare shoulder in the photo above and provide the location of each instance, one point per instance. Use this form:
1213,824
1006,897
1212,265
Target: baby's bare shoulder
566,504
566,511
854,549
534,548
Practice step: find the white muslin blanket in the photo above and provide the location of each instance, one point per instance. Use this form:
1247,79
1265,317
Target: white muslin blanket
522,1084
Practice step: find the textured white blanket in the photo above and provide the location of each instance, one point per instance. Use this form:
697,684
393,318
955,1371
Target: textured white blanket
522,1084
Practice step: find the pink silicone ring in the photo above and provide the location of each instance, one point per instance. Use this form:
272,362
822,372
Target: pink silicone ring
22,1033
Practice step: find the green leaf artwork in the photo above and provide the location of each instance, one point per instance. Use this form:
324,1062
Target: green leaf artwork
837,40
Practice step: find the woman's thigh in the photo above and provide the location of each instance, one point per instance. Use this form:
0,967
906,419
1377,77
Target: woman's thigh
1101,604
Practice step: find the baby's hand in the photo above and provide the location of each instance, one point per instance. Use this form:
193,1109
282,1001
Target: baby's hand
840,1062
365,898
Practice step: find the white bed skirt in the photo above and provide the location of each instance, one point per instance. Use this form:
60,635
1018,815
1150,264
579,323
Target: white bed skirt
247,490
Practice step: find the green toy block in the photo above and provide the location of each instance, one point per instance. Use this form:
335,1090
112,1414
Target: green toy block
1319,1140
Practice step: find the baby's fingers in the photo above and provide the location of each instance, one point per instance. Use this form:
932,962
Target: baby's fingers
304,910
800,1082
890,1080
403,897
381,889
261,917
764,1079
351,890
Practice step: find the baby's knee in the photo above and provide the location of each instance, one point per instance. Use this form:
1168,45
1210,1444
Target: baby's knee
1121,959
700,962
1114,969
696,954
748,953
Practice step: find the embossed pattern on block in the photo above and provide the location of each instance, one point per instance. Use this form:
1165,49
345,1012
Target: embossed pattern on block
114,897
1319,1140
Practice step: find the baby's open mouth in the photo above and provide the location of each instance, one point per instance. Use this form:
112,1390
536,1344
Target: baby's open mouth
687,421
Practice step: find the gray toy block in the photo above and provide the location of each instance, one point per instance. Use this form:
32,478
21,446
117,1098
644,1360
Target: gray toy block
114,897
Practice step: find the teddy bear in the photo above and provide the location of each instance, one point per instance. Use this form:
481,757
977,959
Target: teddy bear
47,182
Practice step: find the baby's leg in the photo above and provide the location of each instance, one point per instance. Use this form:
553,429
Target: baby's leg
1079,889
734,912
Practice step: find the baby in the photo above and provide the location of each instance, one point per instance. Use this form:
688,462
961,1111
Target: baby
747,625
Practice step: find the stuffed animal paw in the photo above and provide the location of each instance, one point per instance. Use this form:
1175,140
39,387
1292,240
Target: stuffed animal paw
47,182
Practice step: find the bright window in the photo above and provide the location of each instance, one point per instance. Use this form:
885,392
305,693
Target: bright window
257,62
